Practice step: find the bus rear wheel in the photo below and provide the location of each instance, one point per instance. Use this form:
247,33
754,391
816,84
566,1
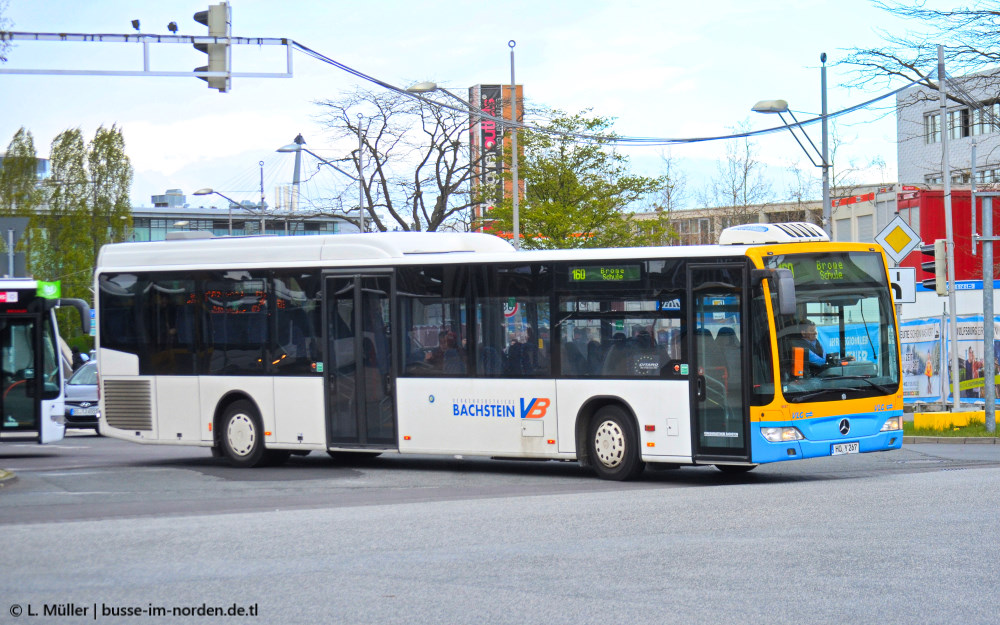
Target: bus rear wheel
613,445
242,435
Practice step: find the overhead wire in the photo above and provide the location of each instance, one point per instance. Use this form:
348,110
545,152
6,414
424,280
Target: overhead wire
629,140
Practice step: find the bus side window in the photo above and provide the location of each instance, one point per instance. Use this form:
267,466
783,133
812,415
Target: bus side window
298,328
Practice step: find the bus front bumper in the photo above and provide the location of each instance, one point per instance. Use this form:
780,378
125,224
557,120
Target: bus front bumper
862,433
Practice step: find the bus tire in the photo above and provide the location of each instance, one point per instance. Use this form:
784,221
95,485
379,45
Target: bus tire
242,435
613,445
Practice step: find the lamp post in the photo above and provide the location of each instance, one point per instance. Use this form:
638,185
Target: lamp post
298,147
210,191
780,107
361,182
513,150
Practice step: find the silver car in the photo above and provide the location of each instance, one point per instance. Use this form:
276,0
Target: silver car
82,409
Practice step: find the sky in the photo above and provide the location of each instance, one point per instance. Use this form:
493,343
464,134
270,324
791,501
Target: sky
661,68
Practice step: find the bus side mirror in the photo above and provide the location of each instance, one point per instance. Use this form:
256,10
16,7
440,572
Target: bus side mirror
80,305
782,283
786,291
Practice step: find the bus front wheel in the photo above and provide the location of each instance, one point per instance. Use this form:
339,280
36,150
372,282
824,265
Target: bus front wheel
614,445
242,435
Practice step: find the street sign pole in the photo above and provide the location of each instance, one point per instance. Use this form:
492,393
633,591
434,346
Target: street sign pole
989,373
989,351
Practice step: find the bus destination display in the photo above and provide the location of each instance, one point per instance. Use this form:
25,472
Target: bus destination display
605,273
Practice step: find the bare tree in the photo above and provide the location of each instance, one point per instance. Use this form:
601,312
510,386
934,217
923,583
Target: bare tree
739,186
674,192
802,187
845,179
970,37
5,25
414,160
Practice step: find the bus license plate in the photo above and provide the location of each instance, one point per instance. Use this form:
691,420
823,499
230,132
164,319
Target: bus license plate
840,449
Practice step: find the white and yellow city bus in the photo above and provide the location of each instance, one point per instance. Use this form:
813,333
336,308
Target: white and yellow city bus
433,343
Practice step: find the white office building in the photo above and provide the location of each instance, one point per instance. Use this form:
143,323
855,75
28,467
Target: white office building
919,129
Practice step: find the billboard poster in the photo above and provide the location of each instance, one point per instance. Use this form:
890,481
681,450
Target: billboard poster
972,352
488,137
920,344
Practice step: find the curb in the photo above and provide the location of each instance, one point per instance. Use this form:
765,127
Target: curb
7,477
951,440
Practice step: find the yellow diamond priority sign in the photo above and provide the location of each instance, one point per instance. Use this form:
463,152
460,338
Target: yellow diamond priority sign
898,239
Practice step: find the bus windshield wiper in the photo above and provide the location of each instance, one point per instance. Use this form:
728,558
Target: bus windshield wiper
884,389
807,396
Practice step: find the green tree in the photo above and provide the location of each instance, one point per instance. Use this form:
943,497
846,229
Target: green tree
19,196
110,177
57,234
578,192
86,206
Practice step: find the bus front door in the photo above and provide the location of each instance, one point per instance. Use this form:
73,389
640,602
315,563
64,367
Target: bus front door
358,380
719,415
20,404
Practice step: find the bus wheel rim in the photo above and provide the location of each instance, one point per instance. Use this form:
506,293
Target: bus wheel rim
241,434
609,443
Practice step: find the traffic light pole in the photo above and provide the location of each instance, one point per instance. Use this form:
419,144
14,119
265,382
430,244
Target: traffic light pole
145,40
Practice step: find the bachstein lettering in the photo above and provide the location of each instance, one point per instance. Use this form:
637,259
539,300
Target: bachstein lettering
483,408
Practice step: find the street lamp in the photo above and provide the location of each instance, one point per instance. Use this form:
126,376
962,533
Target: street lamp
123,218
298,147
780,107
209,191
427,87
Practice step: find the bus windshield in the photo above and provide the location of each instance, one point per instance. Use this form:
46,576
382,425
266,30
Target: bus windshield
840,342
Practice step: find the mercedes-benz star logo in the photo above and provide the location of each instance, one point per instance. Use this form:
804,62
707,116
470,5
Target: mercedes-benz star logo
845,426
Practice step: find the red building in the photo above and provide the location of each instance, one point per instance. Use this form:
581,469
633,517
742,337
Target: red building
924,210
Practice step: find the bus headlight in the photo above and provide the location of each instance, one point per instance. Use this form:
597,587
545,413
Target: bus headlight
893,424
780,435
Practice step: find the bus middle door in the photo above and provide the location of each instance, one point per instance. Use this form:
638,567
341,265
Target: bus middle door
358,375
716,322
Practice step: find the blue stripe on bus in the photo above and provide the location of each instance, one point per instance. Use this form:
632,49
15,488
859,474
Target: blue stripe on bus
820,435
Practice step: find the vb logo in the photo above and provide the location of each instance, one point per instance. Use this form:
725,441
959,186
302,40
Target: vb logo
536,408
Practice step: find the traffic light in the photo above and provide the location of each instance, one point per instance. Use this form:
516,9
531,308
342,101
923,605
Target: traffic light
938,267
217,18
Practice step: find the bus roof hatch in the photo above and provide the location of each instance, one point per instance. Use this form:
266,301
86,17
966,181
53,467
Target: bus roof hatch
758,234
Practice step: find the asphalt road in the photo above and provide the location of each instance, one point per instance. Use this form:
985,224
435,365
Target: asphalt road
900,537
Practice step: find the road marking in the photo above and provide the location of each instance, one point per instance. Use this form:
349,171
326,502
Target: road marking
73,473
47,446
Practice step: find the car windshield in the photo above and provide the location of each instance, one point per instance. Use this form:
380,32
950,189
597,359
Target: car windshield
87,374
840,343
